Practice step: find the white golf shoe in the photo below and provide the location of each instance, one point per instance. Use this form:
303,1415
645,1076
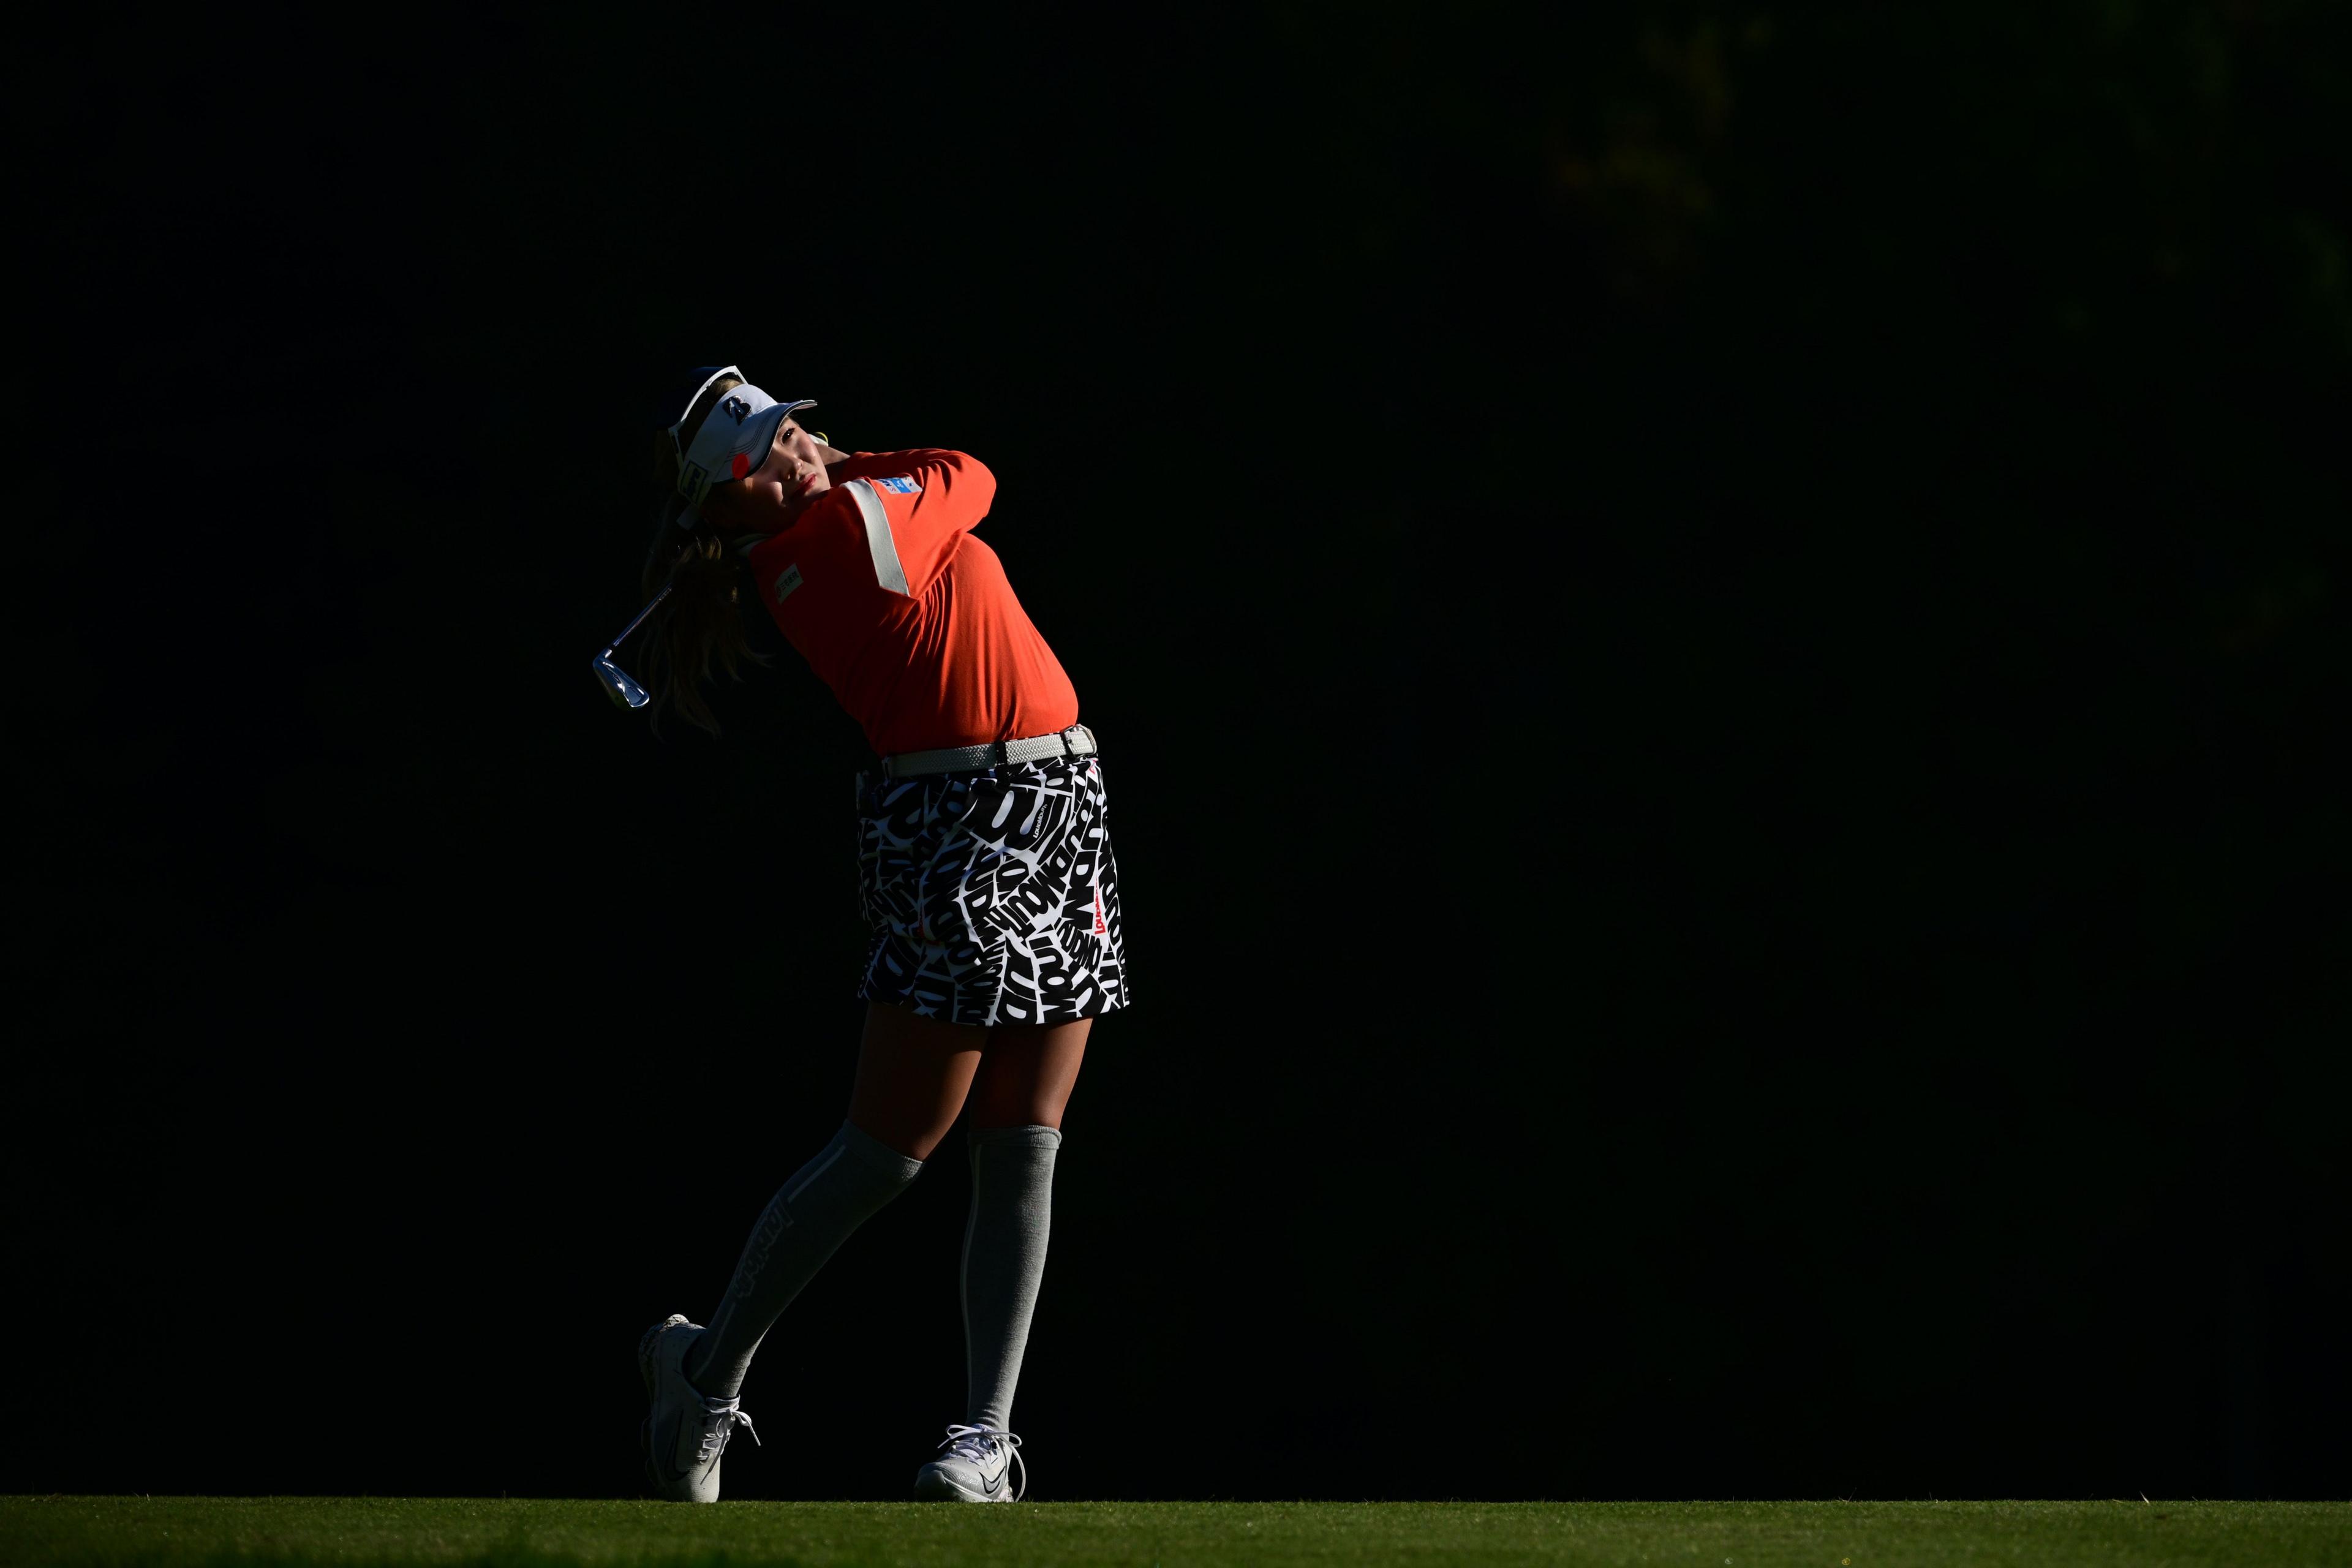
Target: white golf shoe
685,1434
973,1467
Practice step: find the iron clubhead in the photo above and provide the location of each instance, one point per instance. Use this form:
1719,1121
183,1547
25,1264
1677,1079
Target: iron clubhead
618,684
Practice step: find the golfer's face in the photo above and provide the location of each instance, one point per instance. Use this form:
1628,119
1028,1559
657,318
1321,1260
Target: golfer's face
793,473
772,494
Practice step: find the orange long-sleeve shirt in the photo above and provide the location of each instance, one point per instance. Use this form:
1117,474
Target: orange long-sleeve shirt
884,590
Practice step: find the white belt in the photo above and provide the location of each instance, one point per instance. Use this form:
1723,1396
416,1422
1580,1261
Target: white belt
1077,741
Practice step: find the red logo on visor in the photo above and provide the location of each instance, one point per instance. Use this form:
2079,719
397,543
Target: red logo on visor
741,464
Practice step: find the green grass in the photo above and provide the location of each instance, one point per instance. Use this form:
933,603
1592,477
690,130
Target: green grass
182,1532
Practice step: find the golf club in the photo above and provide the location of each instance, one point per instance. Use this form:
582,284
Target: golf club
622,687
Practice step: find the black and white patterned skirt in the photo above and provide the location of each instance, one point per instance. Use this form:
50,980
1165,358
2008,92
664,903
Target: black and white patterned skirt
992,896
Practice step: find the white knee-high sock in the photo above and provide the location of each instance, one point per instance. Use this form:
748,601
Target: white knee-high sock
810,1216
1004,1259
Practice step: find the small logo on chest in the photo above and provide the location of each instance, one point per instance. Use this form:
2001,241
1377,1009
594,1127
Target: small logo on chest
788,581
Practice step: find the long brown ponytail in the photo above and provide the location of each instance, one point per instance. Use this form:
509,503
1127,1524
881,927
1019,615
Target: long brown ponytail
699,629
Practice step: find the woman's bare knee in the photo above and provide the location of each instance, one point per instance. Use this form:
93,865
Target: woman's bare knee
912,1076
1026,1074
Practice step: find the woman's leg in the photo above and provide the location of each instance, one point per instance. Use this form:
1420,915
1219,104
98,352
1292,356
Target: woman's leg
1027,1073
912,1076
913,1073
1025,1082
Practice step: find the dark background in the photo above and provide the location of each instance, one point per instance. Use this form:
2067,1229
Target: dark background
1719,633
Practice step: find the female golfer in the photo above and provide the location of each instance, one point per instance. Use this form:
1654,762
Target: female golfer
985,869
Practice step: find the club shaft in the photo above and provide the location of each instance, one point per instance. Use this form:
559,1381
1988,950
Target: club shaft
641,615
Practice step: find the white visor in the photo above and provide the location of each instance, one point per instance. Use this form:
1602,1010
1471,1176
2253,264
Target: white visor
733,441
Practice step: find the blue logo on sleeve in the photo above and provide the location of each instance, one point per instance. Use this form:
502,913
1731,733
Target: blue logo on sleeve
902,486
